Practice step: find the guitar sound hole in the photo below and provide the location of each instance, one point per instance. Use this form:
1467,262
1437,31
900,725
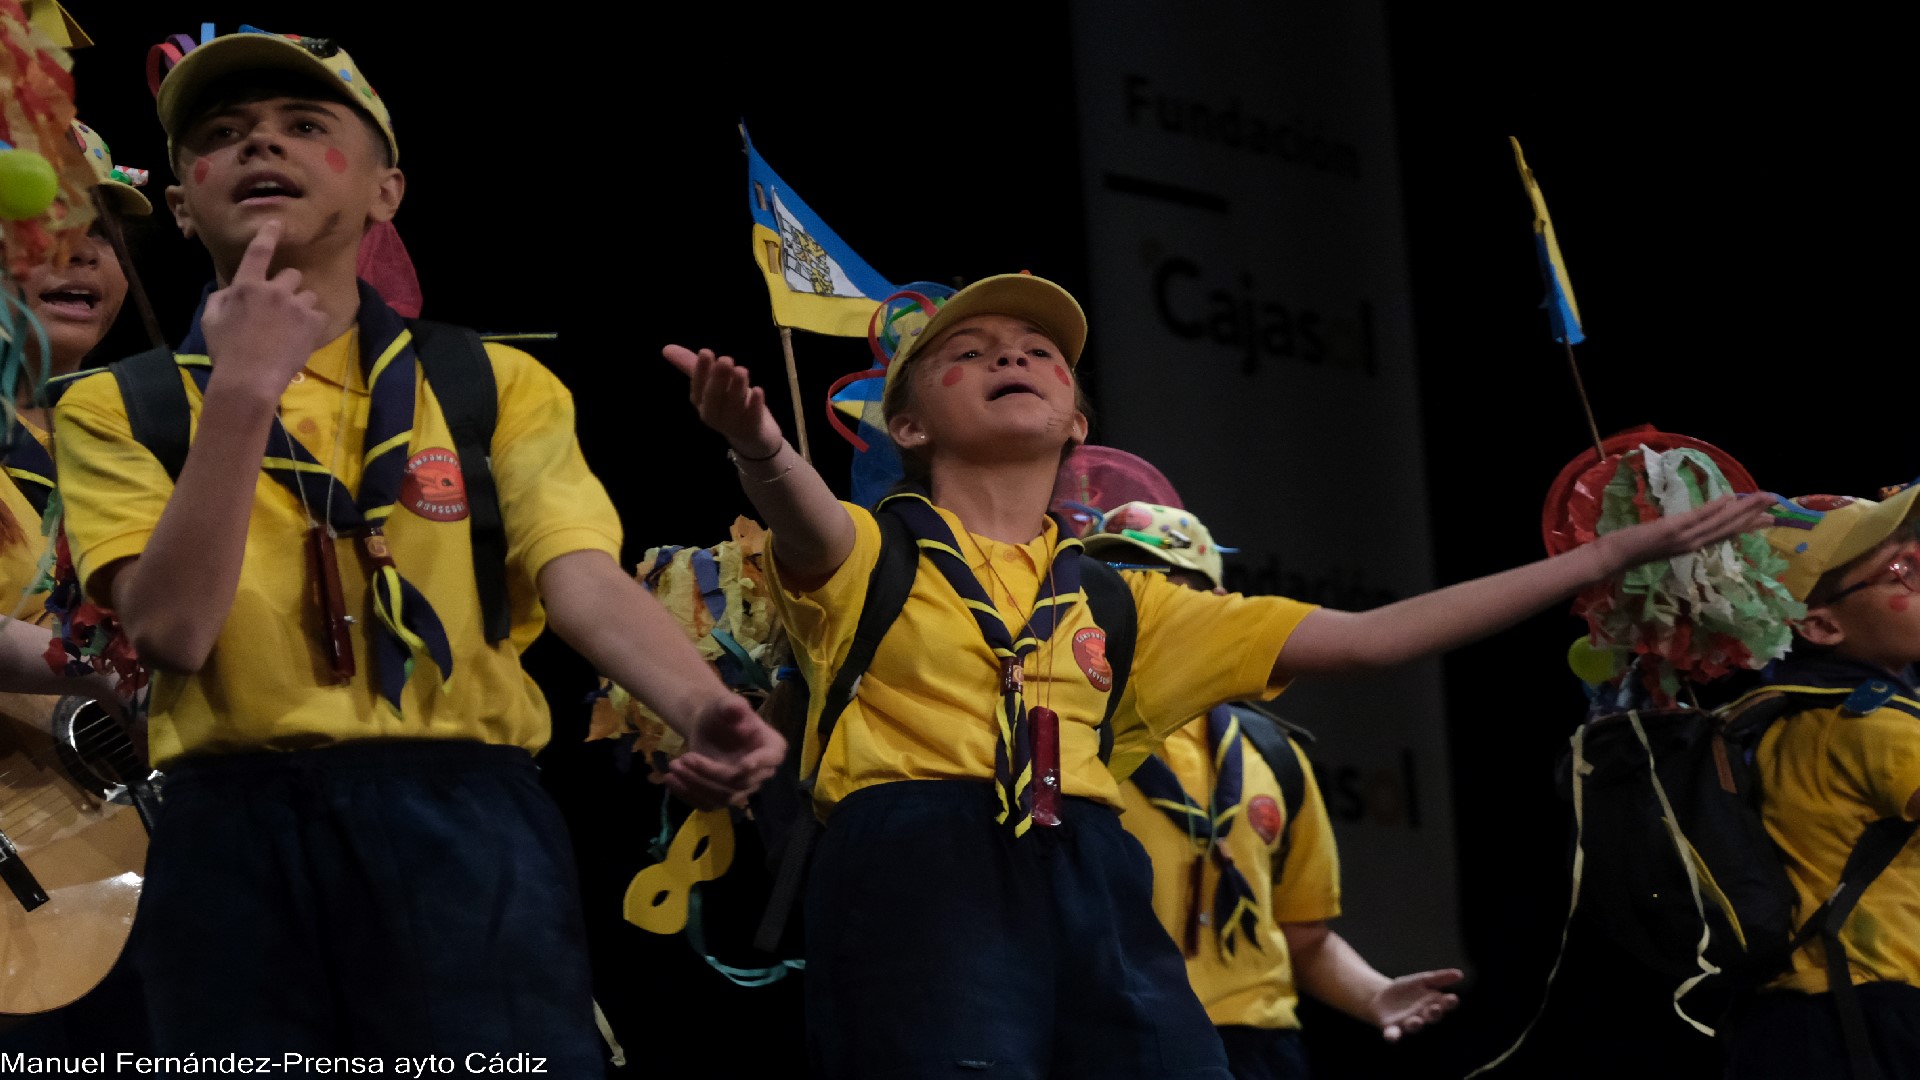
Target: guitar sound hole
96,746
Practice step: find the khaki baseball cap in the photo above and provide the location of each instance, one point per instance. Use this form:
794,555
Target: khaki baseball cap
1023,296
1819,533
199,65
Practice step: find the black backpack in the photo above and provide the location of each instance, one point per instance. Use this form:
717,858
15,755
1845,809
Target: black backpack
1274,736
783,807
456,366
1673,860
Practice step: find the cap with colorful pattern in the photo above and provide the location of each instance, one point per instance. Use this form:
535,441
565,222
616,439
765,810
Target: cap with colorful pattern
1164,534
180,67
117,183
1820,533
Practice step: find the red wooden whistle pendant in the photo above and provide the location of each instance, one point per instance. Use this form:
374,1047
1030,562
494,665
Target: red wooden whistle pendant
1043,727
333,604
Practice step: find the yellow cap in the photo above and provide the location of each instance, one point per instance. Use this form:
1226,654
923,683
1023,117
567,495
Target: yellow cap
1022,296
254,50
1818,533
115,183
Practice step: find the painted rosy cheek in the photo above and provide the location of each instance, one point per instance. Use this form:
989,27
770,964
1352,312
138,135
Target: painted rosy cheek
336,160
1060,373
953,375
1898,603
200,170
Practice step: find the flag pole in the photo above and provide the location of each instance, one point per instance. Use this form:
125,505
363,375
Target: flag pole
1563,312
793,387
1586,406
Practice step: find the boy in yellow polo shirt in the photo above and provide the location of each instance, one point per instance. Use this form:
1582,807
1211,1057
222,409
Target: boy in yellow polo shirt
355,854
974,903
1243,886
1828,773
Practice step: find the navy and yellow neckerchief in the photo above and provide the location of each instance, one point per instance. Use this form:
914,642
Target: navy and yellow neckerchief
30,466
1234,910
407,625
1059,589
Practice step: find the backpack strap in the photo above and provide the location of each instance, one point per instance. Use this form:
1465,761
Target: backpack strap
1872,853
1879,844
30,466
158,412
887,587
1273,736
1111,603
458,369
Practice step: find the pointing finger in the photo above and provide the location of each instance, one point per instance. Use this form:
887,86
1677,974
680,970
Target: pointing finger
259,254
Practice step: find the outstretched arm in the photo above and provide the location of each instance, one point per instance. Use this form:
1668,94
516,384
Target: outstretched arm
613,621
811,529
1328,969
1333,641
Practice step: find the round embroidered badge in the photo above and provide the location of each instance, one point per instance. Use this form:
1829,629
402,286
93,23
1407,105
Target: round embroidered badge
433,487
1090,652
1264,815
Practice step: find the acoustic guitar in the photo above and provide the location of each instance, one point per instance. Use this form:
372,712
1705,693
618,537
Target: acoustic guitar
74,790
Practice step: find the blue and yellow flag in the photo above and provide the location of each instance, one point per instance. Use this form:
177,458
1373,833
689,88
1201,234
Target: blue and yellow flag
814,279
1562,310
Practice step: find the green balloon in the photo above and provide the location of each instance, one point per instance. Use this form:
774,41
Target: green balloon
27,185
1593,664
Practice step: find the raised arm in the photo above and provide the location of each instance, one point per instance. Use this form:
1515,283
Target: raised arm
174,597
1334,641
811,530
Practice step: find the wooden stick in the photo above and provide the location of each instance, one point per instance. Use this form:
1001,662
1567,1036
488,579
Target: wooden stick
793,387
1587,406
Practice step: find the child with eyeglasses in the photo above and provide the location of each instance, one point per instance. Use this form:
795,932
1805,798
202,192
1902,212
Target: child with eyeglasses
1828,773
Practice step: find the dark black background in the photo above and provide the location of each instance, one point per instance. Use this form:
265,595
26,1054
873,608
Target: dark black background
1725,190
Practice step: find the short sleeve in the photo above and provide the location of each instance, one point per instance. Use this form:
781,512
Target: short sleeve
1197,649
551,502
820,622
1306,872
112,489
1881,753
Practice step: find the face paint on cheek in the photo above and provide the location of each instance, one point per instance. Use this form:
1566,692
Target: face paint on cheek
953,375
1898,603
1060,372
200,170
336,160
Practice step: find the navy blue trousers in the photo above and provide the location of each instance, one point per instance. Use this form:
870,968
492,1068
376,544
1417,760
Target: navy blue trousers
1264,1053
938,945
375,898
1784,1035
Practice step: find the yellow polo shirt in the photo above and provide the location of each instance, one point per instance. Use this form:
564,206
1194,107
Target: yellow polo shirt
924,710
267,684
21,546
1824,777
1254,986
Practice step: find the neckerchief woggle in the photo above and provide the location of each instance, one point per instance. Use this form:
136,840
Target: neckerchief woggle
1013,777
1234,910
30,466
406,623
